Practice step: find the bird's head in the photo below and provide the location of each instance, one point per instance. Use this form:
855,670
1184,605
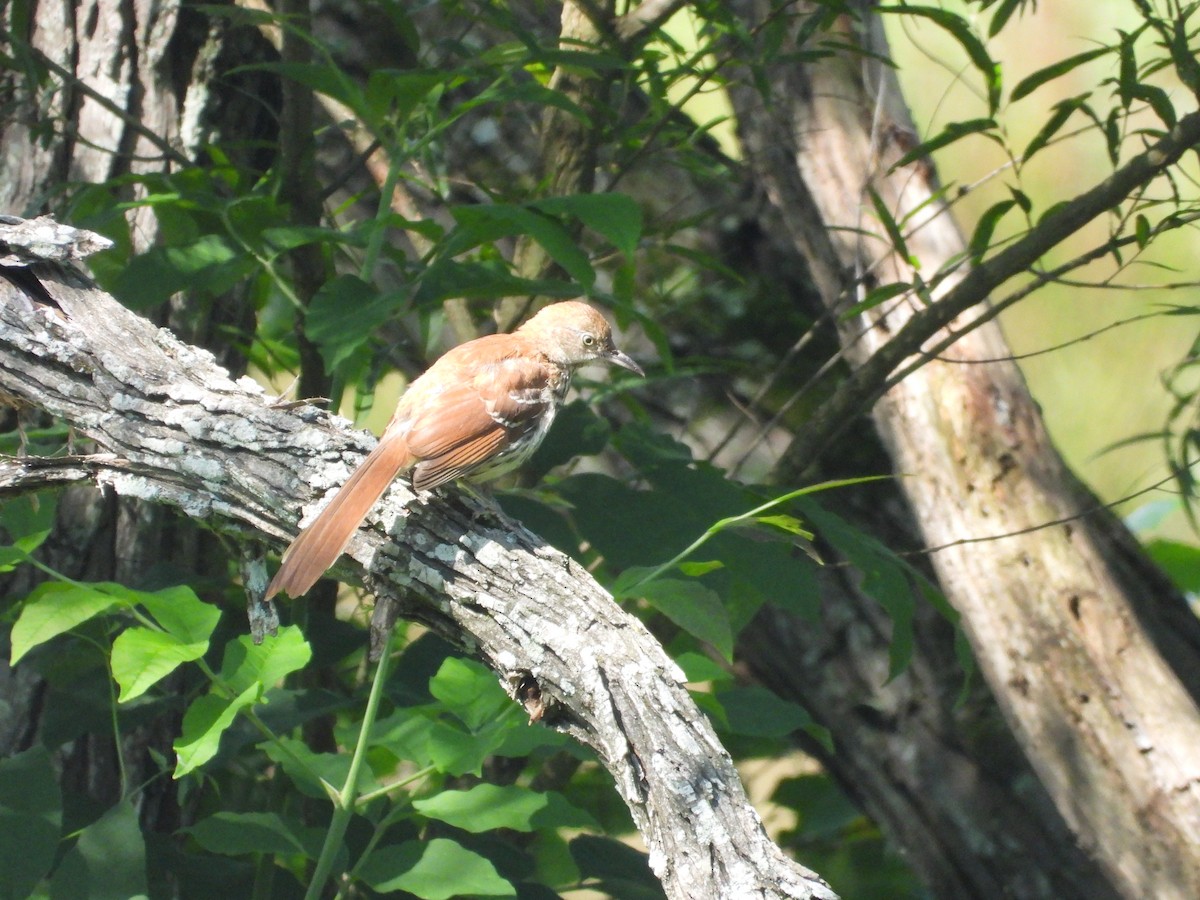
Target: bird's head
574,334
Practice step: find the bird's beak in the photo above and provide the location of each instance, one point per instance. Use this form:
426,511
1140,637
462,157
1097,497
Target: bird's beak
616,356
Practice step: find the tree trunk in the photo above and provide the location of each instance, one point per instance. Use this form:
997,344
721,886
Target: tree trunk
1089,652
110,107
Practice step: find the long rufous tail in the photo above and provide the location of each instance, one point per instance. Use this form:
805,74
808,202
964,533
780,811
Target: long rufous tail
319,545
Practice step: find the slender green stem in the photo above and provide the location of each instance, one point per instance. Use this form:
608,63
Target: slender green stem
366,798
375,244
720,525
344,801
397,812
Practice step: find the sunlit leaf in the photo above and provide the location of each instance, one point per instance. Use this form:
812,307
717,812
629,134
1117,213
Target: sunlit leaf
142,657
180,612
1031,83
434,870
952,132
267,663
54,608
488,806
204,722
470,691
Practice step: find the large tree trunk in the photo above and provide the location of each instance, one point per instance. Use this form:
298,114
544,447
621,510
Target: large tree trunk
1091,655
126,91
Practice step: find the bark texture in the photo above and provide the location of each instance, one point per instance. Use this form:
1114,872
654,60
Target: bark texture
187,435
1086,648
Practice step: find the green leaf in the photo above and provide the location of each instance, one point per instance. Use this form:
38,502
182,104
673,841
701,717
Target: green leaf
960,30
180,612
694,608
615,217
618,869
1183,53
30,820
324,79
881,294
470,691
394,93
489,806
455,751
1127,69
246,664
142,657
756,712
891,226
310,771
54,608
437,870
698,667
578,431
790,524
886,578
1062,111
28,520
696,569
951,133
282,238
1142,231
1179,560
484,223
1002,15
234,834
344,315
1159,100
211,261
981,240
1031,83
448,278
108,861
203,724
405,734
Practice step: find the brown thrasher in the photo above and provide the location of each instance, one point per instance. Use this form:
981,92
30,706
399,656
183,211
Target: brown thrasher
478,412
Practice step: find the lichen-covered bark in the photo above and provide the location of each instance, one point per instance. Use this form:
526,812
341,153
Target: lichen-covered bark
189,436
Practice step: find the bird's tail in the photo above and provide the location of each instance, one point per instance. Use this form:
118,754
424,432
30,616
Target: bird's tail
320,544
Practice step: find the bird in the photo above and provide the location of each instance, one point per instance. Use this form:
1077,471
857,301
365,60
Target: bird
478,412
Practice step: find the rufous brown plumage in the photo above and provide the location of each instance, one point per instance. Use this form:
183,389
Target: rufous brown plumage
478,412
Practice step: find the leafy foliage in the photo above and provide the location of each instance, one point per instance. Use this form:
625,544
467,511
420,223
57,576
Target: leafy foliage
293,767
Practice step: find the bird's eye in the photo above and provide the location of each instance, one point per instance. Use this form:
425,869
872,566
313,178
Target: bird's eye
588,340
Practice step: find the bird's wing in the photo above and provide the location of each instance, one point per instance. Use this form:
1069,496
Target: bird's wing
472,411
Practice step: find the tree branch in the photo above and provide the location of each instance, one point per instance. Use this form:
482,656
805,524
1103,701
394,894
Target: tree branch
867,383
184,433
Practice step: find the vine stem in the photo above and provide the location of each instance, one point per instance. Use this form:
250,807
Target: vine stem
729,522
344,800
